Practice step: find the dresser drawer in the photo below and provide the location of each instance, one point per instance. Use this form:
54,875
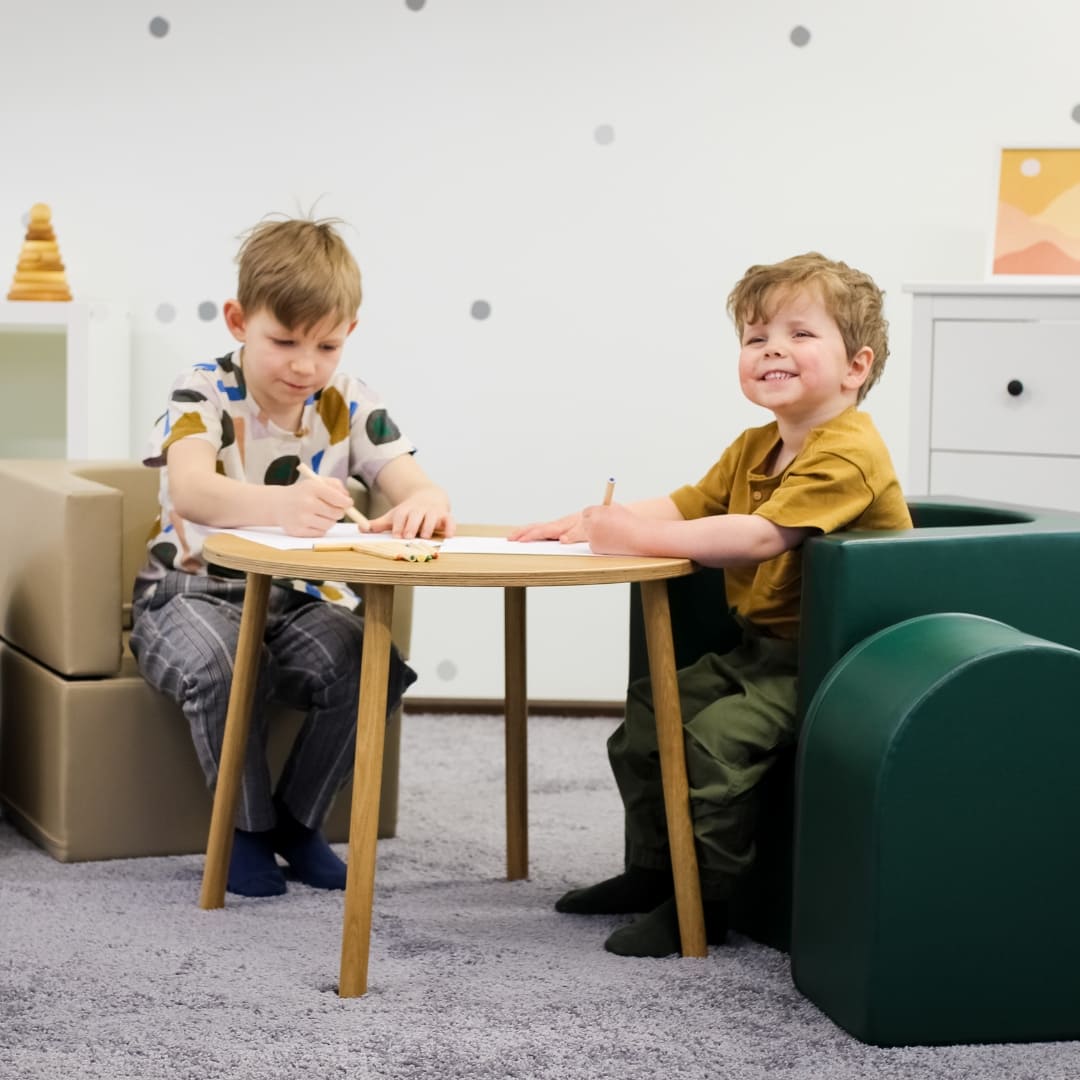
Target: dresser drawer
1017,478
971,407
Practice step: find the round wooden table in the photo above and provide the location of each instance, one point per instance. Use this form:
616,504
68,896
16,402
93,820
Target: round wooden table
377,576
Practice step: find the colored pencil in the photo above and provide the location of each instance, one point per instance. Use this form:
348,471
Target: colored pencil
351,512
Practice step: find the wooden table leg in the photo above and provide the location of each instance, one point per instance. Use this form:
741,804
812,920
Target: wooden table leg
517,714
367,783
669,730
237,726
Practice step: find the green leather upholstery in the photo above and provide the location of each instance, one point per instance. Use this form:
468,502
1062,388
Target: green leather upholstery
937,867
1018,565
1014,564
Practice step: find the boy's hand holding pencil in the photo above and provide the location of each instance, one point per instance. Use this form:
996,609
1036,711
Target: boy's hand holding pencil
567,530
397,550
350,511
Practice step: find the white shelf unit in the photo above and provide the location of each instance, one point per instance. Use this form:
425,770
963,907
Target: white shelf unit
66,372
995,370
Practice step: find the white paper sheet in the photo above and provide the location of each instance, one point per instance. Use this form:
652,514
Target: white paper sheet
499,545
273,537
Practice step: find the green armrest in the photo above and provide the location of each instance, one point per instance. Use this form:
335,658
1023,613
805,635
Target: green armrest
1018,565
936,872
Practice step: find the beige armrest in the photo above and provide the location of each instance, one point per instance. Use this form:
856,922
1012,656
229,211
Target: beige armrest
72,537
62,583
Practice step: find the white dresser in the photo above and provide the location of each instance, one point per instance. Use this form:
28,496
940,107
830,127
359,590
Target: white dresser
995,393
65,369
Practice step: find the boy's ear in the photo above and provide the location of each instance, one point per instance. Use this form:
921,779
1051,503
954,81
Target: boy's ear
858,368
234,319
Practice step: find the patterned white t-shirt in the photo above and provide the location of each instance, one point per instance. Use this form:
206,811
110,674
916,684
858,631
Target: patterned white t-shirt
344,431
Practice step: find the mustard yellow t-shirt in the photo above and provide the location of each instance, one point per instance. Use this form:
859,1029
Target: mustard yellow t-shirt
843,478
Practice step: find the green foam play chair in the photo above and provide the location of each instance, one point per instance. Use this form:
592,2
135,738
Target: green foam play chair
936,865
1014,564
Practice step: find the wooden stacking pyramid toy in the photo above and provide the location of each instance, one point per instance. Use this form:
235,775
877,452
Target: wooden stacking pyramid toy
40,273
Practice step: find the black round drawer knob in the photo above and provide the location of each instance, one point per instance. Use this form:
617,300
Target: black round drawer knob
1015,387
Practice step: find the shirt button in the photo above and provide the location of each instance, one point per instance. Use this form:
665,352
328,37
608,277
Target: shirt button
757,496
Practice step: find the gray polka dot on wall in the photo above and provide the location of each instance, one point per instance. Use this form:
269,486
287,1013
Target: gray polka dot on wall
415,5
800,36
159,27
165,313
1076,114
208,311
481,309
446,670
604,134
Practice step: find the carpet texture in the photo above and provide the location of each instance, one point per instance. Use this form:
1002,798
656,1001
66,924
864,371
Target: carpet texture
111,970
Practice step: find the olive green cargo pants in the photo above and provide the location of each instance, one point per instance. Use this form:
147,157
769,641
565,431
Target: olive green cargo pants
738,710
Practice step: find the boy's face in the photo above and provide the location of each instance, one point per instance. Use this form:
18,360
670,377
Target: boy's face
795,364
282,367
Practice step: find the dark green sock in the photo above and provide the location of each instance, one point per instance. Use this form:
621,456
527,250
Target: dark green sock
638,888
657,934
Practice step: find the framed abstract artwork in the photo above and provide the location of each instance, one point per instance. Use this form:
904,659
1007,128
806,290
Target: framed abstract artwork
1037,221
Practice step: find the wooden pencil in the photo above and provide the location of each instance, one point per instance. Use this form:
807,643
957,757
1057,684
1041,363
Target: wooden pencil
395,550
351,512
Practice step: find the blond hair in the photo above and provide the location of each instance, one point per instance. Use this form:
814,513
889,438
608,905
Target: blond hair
300,271
850,297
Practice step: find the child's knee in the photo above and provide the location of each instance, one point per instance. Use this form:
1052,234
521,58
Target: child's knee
345,639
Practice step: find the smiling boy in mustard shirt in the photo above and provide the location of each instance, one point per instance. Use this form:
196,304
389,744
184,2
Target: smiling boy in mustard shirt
813,341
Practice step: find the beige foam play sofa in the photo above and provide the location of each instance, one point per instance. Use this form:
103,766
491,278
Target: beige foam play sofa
94,764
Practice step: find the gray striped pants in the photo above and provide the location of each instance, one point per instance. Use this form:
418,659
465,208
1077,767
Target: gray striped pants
184,638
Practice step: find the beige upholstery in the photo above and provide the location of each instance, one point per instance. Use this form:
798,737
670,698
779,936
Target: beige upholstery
94,764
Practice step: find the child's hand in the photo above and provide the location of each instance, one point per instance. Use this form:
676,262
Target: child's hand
421,514
611,530
310,506
568,530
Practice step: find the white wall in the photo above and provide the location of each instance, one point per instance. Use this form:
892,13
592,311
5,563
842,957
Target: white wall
464,142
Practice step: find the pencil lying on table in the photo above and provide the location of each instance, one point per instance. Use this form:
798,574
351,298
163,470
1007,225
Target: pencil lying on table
351,512
398,550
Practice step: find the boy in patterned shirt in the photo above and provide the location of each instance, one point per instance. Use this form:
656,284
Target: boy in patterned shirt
229,447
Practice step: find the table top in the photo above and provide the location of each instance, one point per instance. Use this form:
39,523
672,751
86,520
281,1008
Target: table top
447,570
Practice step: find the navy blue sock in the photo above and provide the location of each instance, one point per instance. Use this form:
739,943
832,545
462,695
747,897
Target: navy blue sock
253,870
307,852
